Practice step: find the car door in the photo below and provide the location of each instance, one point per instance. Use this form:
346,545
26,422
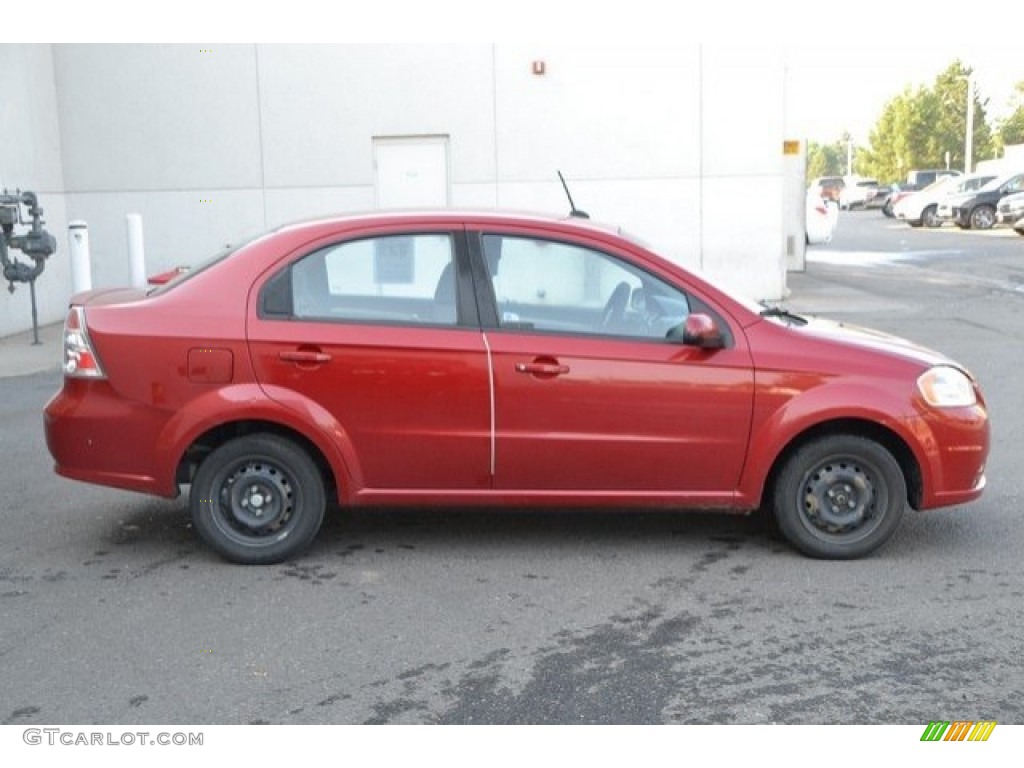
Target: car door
372,339
591,396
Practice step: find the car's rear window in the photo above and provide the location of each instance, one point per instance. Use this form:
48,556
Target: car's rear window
190,271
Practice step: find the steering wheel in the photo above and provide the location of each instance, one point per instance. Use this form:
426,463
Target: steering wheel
615,308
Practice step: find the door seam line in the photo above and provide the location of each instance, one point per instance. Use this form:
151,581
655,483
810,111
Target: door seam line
490,383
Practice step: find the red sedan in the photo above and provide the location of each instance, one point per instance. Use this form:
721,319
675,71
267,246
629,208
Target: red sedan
489,359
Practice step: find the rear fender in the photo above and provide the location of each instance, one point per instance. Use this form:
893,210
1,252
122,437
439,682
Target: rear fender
248,402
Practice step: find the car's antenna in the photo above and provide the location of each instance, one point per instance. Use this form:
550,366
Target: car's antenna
573,210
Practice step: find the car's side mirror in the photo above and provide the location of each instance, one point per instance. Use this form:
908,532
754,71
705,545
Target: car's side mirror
702,331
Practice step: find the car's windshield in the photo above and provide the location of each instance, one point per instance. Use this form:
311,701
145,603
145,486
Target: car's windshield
996,183
939,183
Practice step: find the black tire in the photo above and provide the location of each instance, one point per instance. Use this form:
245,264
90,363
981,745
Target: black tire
930,218
983,217
839,497
257,499
887,210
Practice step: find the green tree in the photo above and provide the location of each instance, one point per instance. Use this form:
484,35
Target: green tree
825,159
1011,130
951,118
919,126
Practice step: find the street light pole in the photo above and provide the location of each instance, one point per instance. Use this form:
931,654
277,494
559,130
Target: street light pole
969,131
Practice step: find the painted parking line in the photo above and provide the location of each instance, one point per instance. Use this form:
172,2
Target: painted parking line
861,258
954,230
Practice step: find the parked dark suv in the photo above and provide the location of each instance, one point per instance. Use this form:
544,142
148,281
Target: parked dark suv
923,177
978,210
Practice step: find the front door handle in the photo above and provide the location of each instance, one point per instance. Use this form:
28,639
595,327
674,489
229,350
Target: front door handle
307,356
542,368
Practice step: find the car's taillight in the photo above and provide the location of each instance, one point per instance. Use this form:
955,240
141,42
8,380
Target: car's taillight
80,360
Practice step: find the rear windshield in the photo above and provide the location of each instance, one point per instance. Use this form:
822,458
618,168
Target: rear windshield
191,270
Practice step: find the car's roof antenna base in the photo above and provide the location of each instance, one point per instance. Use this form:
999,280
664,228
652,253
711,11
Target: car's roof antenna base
573,210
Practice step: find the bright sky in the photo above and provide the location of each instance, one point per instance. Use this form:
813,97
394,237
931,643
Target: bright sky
845,87
845,59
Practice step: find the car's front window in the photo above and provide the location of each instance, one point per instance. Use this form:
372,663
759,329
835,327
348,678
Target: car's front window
550,286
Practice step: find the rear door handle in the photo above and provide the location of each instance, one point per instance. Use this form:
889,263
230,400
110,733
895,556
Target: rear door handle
304,356
542,369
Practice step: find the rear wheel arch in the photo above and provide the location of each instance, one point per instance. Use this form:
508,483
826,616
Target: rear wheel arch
212,439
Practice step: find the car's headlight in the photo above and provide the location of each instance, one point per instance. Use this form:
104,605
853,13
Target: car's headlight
946,387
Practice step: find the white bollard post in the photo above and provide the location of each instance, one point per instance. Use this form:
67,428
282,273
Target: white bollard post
136,253
78,247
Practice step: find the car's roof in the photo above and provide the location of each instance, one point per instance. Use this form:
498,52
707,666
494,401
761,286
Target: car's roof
477,216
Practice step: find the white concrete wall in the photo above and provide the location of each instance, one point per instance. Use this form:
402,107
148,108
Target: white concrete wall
30,159
681,145
171,132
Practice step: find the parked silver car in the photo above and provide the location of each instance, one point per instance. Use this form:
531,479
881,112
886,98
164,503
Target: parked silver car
1011,212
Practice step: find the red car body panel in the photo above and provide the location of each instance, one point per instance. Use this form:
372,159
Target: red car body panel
424,415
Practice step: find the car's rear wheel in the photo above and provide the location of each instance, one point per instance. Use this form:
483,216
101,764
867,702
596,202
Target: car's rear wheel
257,499
839,497
983,217
929,217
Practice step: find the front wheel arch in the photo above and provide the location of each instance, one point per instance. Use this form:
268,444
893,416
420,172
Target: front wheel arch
888,439
982,217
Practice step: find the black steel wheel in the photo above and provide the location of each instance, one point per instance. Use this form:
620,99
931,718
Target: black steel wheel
840,497
257,499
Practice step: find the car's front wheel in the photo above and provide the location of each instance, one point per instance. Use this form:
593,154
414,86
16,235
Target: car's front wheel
839,497
930,217
257,499
983,217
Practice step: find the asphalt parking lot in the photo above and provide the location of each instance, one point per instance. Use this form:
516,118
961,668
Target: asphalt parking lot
112,612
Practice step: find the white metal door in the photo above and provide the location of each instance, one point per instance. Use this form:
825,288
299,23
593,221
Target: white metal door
411,172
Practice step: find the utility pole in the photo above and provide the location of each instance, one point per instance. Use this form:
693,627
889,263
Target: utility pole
969,137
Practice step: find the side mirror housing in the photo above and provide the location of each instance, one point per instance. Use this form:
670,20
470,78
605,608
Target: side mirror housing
702,331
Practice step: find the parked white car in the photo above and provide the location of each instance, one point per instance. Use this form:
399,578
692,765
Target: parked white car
857,192
822,216
922,207
1011,211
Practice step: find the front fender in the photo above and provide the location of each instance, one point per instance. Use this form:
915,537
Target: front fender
778,422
